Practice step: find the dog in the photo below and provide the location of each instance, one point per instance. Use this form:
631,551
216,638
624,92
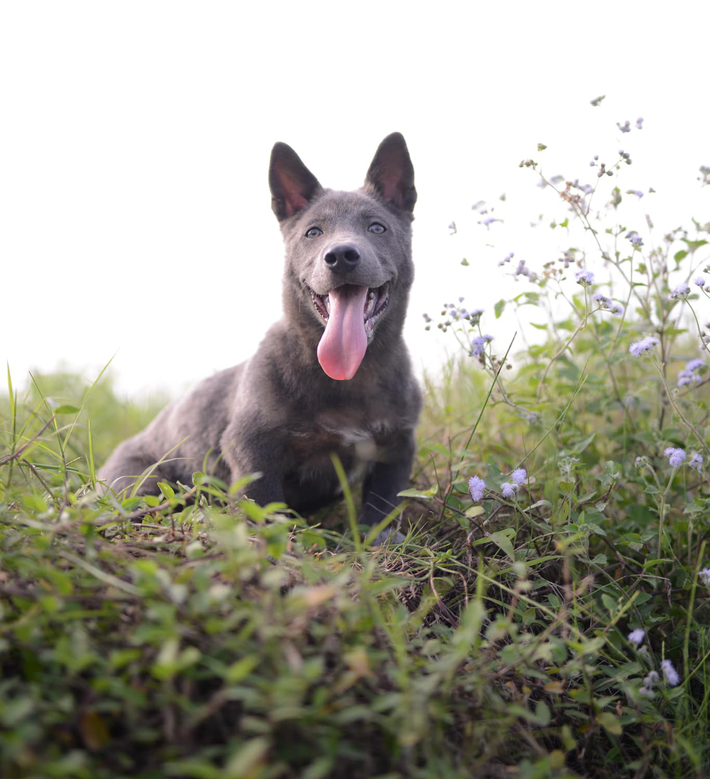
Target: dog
333,376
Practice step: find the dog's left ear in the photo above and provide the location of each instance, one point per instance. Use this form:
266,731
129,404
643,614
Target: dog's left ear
293,186
391,173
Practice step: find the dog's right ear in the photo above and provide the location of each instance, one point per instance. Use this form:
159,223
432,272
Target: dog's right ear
293,186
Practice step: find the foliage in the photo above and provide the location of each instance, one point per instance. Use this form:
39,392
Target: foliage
551,621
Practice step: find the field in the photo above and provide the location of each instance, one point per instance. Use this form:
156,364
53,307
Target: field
546,617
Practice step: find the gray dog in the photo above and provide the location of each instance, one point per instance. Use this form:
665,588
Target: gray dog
332,377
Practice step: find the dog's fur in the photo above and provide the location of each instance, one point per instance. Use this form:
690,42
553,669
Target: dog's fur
280,413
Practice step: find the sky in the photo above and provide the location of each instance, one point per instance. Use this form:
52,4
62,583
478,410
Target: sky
135,219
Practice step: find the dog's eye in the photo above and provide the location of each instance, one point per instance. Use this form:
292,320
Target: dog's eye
377,228
314,232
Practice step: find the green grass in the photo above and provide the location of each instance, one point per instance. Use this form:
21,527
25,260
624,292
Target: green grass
216,639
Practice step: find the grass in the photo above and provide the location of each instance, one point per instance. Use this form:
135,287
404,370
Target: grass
216,639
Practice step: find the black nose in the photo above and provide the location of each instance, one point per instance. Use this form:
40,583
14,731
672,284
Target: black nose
342,258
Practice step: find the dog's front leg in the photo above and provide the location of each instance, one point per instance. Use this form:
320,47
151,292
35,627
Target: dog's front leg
248,449
387,477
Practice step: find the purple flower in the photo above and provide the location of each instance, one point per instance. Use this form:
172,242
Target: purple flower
696,461
699,282
704,576
603,300
635,238
585,278
519,475
639,123
617,309
636,636
670,673
694,365
478,344
643,346
625,127
507,258
489,221
476,485
680,291
688,377
636,192
508,489
675,456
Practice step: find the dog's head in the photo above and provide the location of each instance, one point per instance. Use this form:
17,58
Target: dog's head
348,254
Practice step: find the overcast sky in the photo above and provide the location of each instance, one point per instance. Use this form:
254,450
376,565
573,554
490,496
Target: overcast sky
134,143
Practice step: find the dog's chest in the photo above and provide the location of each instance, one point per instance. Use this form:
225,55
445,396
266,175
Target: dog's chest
350,436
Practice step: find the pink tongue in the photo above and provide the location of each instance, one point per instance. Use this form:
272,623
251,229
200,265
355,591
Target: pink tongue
344,341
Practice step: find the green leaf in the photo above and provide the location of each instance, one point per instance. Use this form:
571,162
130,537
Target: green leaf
414,493
65,409
498,308
502,540
610,723
167,490
465,262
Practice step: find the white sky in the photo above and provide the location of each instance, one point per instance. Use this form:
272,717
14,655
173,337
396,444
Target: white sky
135,137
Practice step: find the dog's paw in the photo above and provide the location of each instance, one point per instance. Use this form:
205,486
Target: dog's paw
389,537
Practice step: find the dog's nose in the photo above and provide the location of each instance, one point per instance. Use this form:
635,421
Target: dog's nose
342,258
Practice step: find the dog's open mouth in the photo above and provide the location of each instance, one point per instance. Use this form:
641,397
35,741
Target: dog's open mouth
376,302
350,314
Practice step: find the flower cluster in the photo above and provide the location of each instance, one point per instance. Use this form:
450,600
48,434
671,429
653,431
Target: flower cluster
704,576
523,270
681,291
696,461
608,304
636,636
585,278
635,238
699,282
507,258
670,673
675,456
691,373
478,344
649,682
476,485
645,345
518,477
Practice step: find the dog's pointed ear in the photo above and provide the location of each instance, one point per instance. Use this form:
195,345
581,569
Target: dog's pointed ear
293,186
391,173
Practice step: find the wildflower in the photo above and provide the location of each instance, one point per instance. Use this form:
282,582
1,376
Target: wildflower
585,278
699,282
696,461
508,489
649,682
670,673
636,192
635,238
519,475
476,485
533,418
522,270
625,127
507,258
675,456
640,462
639,123
479,343
680,291
617,309
643,346
704,576
695,365
489,221
603,300
687,377
636,636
